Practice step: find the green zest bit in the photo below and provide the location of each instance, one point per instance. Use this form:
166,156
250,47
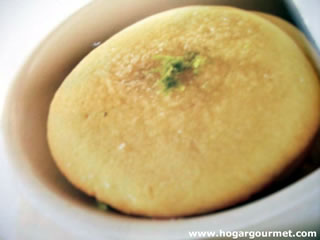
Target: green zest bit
102,206
172,66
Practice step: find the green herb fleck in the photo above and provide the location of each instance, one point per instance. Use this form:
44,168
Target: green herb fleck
172,66
102,206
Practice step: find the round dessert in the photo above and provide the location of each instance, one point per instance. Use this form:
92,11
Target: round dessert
185,112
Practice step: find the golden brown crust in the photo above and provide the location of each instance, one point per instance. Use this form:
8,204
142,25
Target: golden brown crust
292,31
240,122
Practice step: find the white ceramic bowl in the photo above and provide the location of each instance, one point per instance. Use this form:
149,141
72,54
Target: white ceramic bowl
25,118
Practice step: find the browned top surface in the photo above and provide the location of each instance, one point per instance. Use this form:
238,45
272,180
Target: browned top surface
253,106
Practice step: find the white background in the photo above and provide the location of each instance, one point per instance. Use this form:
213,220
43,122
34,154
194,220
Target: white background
23,24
